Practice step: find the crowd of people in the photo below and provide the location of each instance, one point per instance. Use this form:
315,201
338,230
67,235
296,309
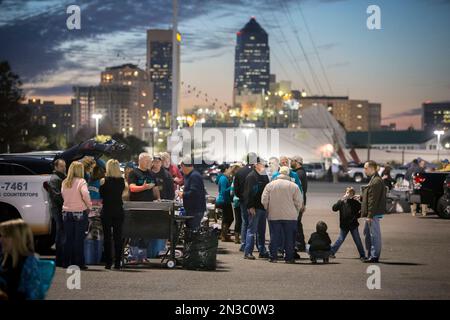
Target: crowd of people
258,198
247,195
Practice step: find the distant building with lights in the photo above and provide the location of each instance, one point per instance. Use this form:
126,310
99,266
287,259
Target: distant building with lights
354,115
252,60
159,66
57,117
123,97
436,116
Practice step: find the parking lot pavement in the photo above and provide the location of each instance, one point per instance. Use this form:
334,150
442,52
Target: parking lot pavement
414,265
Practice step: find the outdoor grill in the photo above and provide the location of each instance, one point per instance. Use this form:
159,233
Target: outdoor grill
153,220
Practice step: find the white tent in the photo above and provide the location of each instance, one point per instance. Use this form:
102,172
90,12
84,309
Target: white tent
316,138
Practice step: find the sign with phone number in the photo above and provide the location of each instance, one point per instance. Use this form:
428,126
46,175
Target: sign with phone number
14,186
16,189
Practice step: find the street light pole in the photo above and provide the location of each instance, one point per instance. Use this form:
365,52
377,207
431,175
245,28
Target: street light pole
97,117
175,63
438,133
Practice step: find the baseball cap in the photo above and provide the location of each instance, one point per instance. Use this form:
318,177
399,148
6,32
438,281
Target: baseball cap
297,159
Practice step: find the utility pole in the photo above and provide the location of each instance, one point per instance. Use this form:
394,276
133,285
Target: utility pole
175,62
369,138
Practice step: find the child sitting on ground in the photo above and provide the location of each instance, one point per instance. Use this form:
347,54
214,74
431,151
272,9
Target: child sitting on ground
319,243
349,211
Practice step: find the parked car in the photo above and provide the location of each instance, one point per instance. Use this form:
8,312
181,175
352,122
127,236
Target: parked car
211,173
315,170
24,180
355,172
432,189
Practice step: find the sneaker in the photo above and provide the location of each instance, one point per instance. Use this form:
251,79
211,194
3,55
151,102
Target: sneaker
362,259
332,256
273,260
108,267
249,257
264,255
371,260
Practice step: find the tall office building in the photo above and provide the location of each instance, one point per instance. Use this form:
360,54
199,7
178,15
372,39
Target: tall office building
252,60
436,116
159,66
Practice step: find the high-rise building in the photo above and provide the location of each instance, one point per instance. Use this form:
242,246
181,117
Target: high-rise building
159,66
354,115
252,60
124,98
436,116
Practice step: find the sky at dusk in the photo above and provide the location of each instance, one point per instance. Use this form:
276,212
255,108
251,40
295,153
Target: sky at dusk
402,65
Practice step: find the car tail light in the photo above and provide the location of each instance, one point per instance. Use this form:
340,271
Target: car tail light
418,180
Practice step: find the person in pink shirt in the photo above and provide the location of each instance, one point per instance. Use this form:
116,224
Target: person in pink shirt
173,170
77,204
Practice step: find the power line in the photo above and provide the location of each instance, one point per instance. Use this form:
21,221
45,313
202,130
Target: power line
289,51
315,47
311,69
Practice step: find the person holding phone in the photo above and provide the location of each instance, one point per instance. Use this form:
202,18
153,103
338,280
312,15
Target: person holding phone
142,184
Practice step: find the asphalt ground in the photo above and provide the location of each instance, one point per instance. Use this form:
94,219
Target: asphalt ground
414,265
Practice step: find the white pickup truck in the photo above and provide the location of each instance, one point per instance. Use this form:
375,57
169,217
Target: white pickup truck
23,178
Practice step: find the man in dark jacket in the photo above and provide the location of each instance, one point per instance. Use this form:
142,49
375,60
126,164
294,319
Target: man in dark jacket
239,185
56,203
297,166
255,183
194,194
349,211
373,208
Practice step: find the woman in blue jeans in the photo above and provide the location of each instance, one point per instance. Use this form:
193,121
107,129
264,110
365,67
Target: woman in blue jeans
77,202
349,211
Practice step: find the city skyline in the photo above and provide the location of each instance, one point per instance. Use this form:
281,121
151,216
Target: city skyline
401,66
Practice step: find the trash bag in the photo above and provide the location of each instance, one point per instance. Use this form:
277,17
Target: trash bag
200,249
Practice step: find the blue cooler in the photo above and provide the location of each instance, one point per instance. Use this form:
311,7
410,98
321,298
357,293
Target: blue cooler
93,250
155,246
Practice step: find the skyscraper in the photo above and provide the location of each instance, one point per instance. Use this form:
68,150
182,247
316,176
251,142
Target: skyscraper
252,60
159,67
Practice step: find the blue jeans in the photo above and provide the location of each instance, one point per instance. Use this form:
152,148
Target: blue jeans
244,225
356,238
59,236
75,228
256,228
372,233
282,235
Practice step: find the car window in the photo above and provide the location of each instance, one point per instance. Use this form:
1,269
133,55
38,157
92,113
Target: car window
5,169
11,169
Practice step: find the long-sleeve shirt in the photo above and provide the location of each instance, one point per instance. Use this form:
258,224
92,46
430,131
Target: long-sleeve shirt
56,199
76,198
224,196
176,173
282,199
194,193
254,186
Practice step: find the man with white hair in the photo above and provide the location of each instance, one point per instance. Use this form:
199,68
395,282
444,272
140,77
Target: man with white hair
283,201
141,181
